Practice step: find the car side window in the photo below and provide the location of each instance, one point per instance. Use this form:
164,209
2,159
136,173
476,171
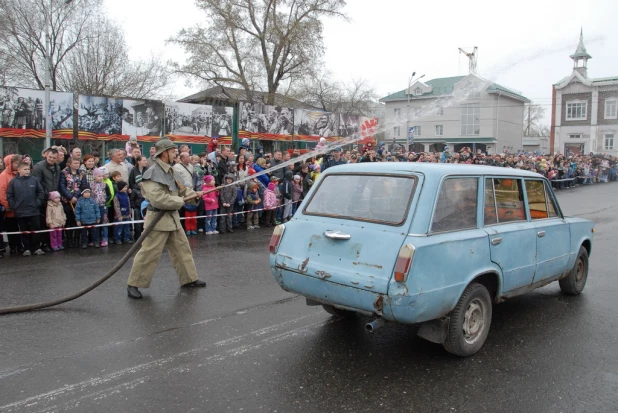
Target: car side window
490,215
535,191
551,204
509,200
456,206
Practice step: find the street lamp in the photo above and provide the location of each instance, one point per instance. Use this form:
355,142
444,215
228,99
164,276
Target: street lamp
47,102
410,82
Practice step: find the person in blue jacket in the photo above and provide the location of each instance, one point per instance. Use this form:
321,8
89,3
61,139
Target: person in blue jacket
87,212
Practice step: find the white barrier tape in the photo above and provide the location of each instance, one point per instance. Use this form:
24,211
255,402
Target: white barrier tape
135,222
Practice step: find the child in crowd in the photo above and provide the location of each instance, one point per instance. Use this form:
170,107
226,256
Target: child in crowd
270,203
211,204
190,211
87,212
227,198
101,193
55,218
26,196
122,209
315,175
116,177
252,200
297,193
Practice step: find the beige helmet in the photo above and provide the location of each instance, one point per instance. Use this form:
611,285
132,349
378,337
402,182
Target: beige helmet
163,145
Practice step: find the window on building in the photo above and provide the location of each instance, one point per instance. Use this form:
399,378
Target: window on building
440,112
456,206
575,135
609,141
396,131
611,109
417,130
470,123
418,91
397,113
577,110
439,130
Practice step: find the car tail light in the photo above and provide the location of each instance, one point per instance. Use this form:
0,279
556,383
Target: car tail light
404,262
276,238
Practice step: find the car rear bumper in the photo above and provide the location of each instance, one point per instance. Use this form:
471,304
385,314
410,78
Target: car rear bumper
338,295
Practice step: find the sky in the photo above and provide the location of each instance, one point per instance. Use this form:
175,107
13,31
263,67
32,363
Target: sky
523,45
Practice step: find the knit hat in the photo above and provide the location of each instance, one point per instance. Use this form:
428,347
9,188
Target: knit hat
54,195
121,185
274,179
138,179
317,167
209,178
271,186
98,172
85,190
102,170
297,177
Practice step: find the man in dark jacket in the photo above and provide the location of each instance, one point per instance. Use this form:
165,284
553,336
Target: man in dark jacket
335,160
26,196
48,173
222,168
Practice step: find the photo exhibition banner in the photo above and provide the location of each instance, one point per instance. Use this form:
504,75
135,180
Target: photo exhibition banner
266,122
23,114
191,123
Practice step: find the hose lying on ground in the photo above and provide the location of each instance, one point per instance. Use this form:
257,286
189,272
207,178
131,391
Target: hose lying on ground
156,217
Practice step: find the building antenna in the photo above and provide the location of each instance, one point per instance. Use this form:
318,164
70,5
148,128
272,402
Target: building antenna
472,57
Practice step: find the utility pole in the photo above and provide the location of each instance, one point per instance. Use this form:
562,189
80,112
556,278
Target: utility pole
410,82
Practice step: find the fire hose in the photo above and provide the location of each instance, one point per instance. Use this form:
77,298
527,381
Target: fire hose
156,217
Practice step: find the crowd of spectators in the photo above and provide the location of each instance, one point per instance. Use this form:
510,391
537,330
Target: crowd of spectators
67,190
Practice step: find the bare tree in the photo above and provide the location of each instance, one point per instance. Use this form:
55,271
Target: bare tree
100,65
533,116
356,97
256,44
23,26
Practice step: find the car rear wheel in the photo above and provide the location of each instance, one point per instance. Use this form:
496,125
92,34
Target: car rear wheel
469,322
337,311
574,283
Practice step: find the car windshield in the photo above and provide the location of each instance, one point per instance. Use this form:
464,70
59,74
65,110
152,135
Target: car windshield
377,198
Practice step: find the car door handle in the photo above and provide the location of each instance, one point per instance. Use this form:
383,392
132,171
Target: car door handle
496,241
337,235
541,234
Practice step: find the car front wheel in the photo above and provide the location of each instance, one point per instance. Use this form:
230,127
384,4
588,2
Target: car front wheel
469,322
574,283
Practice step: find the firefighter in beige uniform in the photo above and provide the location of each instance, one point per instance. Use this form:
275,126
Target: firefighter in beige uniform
163,192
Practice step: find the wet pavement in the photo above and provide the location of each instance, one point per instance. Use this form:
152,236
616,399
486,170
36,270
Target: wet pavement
243,344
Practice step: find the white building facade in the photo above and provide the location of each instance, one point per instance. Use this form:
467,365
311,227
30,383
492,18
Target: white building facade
461,111
584,111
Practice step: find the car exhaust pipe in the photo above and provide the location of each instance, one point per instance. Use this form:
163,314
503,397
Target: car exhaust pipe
374,325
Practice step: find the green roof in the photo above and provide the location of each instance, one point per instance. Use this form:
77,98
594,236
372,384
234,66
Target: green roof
441,86
444,86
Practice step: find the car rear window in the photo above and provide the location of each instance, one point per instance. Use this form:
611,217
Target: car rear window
363,197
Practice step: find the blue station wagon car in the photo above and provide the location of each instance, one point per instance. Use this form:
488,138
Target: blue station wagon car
429,244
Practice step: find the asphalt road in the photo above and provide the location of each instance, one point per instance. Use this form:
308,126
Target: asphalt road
243,344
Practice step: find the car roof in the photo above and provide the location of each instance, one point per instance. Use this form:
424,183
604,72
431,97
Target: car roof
434,169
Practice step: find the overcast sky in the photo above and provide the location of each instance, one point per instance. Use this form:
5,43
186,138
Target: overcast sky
523,45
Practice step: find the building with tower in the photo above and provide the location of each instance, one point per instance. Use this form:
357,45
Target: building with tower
584,117
460,111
